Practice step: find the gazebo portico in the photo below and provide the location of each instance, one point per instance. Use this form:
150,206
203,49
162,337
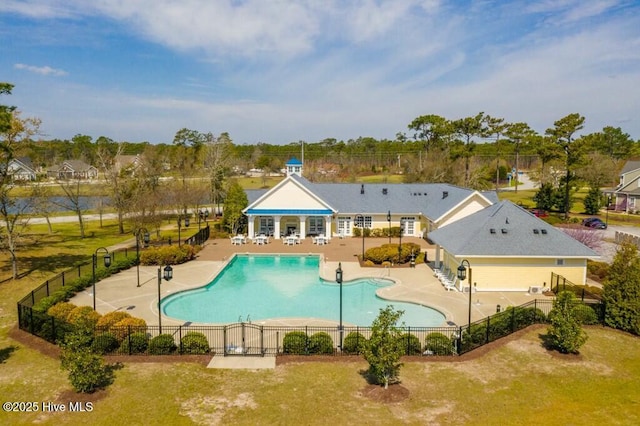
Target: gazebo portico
284,222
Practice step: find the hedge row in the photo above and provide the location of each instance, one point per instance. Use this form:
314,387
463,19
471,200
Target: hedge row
299,343
389,253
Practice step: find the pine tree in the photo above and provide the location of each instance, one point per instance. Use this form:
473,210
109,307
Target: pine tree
622,290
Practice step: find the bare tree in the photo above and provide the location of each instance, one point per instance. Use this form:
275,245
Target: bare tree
15,225
72,199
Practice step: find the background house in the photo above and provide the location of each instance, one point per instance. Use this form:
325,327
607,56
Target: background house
21,170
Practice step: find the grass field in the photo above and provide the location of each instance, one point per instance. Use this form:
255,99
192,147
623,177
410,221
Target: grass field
518,383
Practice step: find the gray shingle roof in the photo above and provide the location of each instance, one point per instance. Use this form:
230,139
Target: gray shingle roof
630,166
513,235
431,199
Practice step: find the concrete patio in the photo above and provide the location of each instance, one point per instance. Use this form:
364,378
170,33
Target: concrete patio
417,285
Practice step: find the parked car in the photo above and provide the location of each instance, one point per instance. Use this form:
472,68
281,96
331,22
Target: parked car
594,222
539,212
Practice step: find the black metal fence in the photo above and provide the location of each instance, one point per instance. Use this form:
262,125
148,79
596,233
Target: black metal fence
560,283
247,338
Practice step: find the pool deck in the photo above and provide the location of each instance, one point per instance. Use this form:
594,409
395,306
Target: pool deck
417,285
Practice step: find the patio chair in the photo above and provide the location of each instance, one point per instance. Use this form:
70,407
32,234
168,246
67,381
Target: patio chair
451,285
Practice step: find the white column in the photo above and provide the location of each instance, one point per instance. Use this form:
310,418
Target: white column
303,226
437,255
328,232
250,223
276,227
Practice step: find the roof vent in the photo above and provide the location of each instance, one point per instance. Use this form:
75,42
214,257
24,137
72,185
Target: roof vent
504,231
492,230
536,231
362,189
507,221
445,194
384,191
419,193
544,231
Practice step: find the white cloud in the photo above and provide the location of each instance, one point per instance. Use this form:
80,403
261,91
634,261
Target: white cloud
46,70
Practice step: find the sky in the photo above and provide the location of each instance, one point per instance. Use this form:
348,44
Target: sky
278,71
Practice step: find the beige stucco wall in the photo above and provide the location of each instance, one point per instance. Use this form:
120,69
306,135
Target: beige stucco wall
473,204
518,274
290,196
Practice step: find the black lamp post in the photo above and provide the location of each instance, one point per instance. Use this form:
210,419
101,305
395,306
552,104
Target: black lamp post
168,274
145,236
389,220
186,225
339,281
400,245
462,275
606,221
94,264
360,220
206,215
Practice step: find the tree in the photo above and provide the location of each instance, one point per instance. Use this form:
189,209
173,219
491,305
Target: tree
562,134
15,131
496,126
382,350
613,142
118,181
432,130
236,201
518,133
546,151
468,128
622,290
565,332
72,200
593,201
218,155
5,111
544,197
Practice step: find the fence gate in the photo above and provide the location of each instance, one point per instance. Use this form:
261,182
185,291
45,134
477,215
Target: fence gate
243,339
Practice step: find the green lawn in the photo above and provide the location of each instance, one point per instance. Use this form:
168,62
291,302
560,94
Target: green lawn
518,383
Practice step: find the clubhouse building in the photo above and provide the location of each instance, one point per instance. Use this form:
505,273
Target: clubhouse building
507,247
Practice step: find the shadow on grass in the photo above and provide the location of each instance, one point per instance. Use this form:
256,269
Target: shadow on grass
5,353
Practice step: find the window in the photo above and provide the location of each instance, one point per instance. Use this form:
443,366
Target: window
359,219
316,225
344,225
560,262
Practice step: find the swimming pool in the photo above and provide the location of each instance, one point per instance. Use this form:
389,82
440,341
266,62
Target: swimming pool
262,287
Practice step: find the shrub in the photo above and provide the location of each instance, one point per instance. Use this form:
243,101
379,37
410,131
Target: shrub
60,311
162,344
194,343
598,270
168,255
389,253
104,343
438,344
410,344
320,343
84,317
135,343
565,333
122,328
353,343
585,314
295,342
109,320
87,371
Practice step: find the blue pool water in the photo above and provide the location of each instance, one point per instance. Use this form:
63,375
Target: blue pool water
271,287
